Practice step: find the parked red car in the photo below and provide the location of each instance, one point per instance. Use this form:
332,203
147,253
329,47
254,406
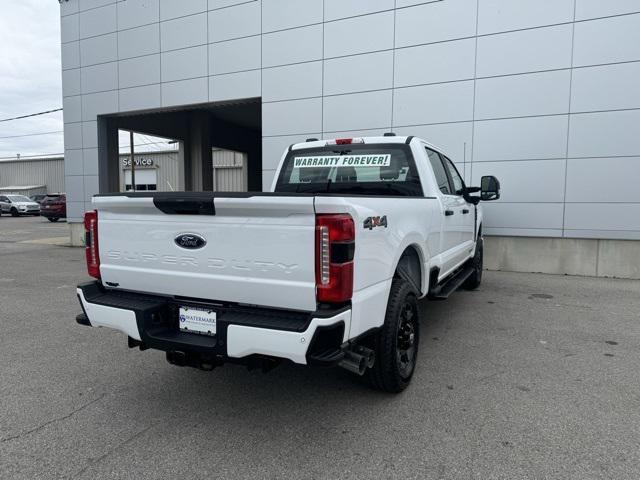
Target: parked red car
54,207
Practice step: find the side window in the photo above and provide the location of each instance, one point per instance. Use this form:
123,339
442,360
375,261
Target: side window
458,183
439,171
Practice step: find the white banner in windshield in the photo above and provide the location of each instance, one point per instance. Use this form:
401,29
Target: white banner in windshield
328,161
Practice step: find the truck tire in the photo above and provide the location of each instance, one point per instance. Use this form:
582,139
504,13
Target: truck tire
476,262
396,344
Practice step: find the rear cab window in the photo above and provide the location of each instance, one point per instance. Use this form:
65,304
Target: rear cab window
52,198
355,169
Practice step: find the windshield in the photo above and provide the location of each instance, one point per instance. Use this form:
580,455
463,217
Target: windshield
359,169
19,198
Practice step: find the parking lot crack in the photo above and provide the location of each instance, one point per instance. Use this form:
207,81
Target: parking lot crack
52,421
99,459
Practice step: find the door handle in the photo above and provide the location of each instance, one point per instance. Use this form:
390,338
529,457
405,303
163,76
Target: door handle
448,213
465,211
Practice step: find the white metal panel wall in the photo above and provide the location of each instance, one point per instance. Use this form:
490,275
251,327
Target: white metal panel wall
530,89
44,171
229,171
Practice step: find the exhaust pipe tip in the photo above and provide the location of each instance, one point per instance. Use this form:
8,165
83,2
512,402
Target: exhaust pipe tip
371,358
357,359
354,362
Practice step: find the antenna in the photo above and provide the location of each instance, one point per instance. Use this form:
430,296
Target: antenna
464,158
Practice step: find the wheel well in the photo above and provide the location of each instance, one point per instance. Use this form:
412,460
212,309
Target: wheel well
410,268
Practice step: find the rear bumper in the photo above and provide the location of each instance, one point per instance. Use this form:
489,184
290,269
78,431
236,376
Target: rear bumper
242,332
53,213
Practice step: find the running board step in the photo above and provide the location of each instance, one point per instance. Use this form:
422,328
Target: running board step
326,358
442,291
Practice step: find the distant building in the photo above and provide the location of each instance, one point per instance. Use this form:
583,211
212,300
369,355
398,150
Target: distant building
157,171
32,176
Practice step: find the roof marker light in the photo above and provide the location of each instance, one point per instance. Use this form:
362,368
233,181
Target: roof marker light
345,141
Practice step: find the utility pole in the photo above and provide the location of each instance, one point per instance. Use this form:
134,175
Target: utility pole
133,163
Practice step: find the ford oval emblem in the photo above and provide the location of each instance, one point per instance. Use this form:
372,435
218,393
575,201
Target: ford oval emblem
191,241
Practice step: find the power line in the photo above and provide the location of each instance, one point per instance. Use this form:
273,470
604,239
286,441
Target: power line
143,144
147,139
15,157
31,115
32,134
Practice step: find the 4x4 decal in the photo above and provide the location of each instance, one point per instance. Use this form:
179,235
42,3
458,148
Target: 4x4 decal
372,222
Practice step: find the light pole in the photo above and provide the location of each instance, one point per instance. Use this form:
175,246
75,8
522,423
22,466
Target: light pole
133,163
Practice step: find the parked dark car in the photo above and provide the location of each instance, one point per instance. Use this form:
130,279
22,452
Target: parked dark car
54,207
38,197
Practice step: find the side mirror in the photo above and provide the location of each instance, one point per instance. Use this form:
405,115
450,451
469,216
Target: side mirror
489,188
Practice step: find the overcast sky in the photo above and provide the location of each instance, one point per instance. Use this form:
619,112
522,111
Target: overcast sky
30,79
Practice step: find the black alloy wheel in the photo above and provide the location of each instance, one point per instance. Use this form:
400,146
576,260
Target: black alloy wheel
396,342
406,339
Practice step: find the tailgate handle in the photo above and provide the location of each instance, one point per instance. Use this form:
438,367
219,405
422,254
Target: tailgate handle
185,205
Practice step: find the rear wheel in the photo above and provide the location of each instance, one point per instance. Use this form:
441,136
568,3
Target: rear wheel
396,344
475,278
53,219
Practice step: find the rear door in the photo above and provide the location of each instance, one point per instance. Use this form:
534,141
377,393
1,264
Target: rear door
257,250
451,237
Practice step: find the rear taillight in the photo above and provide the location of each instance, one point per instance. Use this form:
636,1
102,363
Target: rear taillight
91,243
335,246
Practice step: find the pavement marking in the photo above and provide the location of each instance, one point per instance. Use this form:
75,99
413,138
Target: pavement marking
8,233
64,241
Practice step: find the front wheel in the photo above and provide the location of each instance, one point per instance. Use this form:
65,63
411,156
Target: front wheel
396,344
53,219
14,212
476,262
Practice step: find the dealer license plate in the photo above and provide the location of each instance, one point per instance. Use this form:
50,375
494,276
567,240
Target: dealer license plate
197,320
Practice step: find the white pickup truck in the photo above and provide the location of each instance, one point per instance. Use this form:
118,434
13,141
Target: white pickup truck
325,269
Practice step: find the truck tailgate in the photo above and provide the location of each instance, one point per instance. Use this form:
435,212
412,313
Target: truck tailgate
259,250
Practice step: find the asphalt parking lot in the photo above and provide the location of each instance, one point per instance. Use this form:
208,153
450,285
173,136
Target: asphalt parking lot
532,376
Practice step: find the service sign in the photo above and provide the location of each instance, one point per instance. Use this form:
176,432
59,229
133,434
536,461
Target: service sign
328,161
140,162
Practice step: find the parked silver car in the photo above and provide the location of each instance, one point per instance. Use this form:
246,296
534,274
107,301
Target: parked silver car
18,205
